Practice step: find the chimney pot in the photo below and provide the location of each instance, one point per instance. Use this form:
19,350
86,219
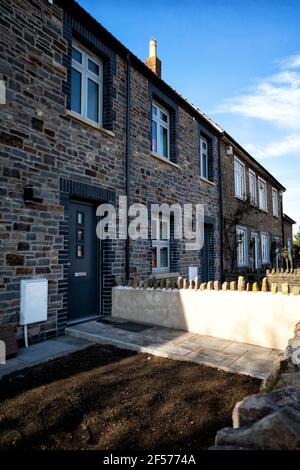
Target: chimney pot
152,48
153,61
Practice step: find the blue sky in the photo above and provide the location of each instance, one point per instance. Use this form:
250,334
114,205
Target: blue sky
238,61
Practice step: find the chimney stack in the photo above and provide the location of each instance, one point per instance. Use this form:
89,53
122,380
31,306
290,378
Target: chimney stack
153,61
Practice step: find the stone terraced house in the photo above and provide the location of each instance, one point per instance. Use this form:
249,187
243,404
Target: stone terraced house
84,122
252,223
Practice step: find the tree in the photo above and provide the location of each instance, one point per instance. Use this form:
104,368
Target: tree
297,239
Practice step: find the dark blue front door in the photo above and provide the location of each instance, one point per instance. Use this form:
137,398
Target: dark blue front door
82,261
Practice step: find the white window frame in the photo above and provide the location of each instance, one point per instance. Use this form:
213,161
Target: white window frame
252,187
242,263
160,123
237,163
265,248
203,139
158,243
263,206
85,75
275,203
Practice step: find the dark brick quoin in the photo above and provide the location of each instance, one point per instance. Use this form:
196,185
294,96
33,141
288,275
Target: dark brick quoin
65,159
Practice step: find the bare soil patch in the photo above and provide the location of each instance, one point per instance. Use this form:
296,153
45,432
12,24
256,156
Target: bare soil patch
107,398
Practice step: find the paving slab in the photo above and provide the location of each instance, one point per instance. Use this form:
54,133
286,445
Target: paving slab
231,356
43,352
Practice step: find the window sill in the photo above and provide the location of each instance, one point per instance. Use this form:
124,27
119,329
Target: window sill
202,178
240,198
263,210
165,160
71,115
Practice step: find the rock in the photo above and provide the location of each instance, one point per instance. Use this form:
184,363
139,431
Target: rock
279,431
232,285
217,285
290,379
225,285
255,287
241,283
210,285
274,288
203,286
285,288
281,364
297,330
255,407
292,351
252,409
264,285
197,283
180,282
185,283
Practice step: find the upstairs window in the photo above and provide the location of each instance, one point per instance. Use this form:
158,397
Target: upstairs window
160,131
265,250
160,227
86,85
203,157
252,187
262,194
275,202
239,179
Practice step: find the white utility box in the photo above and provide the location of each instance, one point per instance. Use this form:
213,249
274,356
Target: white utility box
34,299
193,273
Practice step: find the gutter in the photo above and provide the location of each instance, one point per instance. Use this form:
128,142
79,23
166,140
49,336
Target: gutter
230,140
128,159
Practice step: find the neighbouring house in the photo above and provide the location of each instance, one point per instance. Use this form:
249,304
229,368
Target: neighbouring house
253,221
288,239
84,122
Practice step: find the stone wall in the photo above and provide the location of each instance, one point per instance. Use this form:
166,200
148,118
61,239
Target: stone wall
229,311
269,420
281,276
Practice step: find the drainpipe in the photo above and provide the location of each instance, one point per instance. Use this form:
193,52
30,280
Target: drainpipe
221,208
128,160
282,220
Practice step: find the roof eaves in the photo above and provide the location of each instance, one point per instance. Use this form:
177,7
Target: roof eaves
231,140
289,219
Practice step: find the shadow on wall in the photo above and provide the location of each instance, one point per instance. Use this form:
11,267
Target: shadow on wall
258,318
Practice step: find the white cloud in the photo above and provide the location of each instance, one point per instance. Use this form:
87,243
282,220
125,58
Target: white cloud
290,145
275,99
291,62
